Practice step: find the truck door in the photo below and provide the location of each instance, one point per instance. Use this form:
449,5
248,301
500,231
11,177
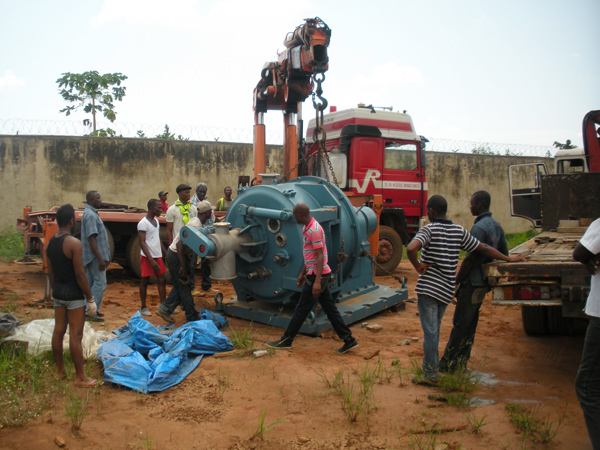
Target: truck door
524,182
402,177
366,166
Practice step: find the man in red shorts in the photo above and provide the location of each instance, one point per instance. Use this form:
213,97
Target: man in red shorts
151,253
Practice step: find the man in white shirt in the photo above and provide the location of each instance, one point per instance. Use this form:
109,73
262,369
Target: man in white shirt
587,383
181,212
151,253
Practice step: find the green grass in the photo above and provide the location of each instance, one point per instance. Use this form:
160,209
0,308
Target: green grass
242,340
535,425
515,239
261,428
27,386
11,244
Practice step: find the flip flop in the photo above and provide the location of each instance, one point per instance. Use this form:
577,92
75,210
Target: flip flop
86,384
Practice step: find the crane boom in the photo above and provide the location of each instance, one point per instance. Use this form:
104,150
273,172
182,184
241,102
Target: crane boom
285,84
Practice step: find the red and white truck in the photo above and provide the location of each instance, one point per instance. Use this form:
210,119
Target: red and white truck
374,152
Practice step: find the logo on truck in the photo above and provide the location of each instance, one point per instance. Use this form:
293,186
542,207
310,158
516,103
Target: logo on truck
374,175
371,174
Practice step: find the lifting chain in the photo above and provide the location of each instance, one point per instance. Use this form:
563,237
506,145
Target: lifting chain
374,261
284,179
319,134
341,257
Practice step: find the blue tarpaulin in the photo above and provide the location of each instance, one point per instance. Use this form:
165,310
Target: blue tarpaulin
145,360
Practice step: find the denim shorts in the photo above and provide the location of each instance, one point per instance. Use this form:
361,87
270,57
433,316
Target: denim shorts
69,304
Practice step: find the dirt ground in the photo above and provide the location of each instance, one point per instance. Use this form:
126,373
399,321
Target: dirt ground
220,404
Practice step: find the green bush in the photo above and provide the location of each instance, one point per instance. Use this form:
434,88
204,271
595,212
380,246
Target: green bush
11,244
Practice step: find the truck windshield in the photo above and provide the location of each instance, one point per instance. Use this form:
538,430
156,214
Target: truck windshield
570,166
400,156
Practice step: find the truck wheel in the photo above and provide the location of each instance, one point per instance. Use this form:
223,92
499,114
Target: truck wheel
133,255
389,252
564,326
535,320
133,258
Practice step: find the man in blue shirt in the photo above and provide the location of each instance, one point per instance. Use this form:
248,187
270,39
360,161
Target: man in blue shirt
472,286
440,242
96,250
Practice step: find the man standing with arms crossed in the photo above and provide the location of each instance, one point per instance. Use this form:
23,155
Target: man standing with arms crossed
314,280
473,287
96,251
151,253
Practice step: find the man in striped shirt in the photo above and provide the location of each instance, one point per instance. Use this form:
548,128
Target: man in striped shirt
314,280
440,242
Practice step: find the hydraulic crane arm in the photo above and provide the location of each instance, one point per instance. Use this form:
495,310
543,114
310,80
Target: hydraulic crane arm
285,84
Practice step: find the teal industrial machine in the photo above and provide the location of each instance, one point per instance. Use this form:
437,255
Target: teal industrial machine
259,248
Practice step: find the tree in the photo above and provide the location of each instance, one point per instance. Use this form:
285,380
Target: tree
167,135
92,91
566,146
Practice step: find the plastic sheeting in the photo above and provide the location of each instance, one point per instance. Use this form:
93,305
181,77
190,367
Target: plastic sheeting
38,335
144,359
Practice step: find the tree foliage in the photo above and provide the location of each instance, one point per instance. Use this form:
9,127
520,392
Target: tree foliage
566,146
94,92
483,150
167,135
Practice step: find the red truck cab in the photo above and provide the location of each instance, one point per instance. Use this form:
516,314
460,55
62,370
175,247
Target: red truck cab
375,152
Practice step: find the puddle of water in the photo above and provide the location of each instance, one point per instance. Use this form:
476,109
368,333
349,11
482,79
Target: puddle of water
487,379
476,401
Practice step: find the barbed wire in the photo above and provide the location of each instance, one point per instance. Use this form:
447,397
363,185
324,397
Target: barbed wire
240,135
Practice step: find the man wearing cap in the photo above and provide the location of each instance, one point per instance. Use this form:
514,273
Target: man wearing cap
180,260
162,196
181,212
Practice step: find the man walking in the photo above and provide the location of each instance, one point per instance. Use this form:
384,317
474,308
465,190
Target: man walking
69,291
180,261
472,286
96,251
314,280
587,383
151,253
440,243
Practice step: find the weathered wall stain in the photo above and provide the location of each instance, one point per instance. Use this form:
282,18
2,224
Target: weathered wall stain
43,171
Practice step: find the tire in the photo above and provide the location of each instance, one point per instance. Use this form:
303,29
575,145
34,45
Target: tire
564,326
389,252
535,320
133,255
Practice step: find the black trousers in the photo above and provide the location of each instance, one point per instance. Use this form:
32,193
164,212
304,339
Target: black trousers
305,305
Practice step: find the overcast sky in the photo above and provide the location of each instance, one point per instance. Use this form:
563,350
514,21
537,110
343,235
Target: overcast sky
491,71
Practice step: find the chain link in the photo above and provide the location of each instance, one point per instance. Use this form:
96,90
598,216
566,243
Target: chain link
374,261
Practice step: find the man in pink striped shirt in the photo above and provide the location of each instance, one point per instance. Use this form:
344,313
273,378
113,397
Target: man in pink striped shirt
314,280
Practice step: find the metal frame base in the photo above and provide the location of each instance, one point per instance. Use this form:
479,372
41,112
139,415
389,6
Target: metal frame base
352,310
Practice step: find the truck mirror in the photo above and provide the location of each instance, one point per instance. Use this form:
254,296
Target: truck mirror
422,155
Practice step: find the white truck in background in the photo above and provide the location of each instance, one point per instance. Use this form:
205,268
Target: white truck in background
551,287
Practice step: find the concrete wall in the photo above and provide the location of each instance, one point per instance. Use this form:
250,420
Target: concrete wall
457,176
43,171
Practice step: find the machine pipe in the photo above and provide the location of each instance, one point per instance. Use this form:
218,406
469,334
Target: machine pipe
264,212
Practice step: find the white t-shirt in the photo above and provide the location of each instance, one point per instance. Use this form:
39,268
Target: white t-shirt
195,222
174,215
591,241
152,237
